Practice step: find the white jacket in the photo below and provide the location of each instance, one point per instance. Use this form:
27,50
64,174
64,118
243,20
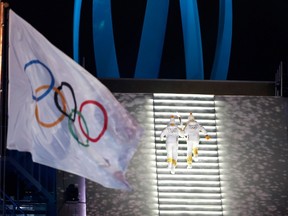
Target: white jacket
193,129
172,133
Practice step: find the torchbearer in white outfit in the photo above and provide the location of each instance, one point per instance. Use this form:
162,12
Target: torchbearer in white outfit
192,131
172,132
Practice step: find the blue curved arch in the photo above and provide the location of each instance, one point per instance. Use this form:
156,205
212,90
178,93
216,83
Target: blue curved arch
224,40
76,27
192,40
152,39
103,38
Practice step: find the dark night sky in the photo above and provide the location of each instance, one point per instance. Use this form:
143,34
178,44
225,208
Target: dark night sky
259,40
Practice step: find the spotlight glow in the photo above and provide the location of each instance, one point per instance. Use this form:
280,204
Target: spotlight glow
195,191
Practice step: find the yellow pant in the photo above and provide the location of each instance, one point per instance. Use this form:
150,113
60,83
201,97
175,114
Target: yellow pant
189,156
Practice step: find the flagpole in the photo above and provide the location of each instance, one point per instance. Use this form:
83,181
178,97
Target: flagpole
3,98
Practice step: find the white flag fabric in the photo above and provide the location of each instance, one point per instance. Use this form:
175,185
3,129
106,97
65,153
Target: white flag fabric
62,115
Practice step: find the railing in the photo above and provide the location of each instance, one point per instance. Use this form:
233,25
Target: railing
281,80
9,206
33,186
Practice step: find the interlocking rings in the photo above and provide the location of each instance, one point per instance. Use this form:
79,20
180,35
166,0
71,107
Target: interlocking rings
72,130
105,120
63,107
48,125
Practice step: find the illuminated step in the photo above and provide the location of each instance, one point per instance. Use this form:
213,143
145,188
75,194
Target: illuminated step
160,127
189,182
181,163
200,152
200,158
174,110
188,189
201,147
182,177
211,145
200,116
182,195
184,115
183,212
190,207
190,171
170,201
195,164
186,102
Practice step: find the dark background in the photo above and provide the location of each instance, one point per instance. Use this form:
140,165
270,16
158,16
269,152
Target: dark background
259,38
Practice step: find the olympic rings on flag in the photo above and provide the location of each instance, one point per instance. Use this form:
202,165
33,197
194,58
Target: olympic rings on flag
74,100
63,108
51,75
105,125
73,132
48,125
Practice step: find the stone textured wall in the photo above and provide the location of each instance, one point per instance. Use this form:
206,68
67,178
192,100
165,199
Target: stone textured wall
253,146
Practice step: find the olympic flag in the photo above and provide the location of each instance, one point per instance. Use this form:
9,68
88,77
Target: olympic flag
63,115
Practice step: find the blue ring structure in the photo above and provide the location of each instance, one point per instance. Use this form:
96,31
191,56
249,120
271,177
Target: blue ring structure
76,27
103,38
192,40
224,40
152,39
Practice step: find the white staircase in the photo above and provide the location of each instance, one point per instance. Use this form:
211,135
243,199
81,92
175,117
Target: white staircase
195,191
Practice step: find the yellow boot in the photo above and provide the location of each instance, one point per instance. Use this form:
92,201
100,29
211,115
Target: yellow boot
169,161
195,154
189,162
174,163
